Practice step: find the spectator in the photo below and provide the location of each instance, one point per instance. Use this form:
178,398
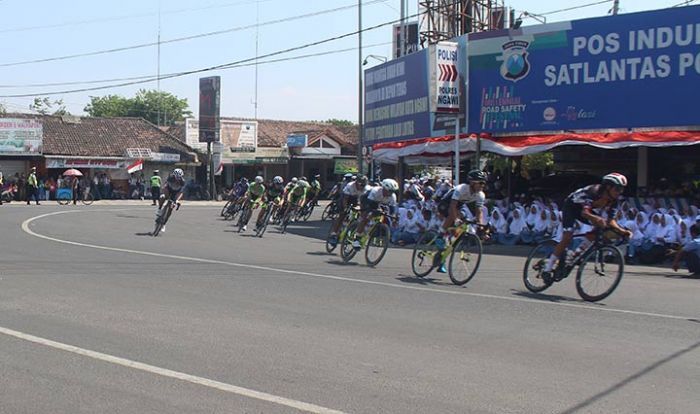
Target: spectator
409,228
690,253
156,183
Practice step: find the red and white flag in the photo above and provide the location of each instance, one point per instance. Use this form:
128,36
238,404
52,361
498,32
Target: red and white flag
136,166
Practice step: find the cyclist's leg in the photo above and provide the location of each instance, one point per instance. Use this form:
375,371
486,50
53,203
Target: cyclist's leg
263,210
165,194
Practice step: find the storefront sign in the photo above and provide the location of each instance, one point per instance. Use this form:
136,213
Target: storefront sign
271,160
634,70
297,140
165,157
345,165
20,136
86,163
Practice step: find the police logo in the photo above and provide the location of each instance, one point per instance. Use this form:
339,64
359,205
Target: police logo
515,65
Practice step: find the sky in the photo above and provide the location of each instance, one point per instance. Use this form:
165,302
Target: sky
319,87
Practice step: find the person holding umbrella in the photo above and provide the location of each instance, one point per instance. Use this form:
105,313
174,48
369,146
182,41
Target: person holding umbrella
71,176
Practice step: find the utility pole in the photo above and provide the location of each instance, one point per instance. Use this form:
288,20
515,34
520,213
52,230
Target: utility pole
360,93
257,36
158,77
616,7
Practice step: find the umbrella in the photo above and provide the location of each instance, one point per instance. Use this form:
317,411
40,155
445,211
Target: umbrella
72,172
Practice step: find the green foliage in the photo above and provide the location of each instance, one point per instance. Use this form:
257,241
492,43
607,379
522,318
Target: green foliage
2,109
45,106
340,122
161,108
540,161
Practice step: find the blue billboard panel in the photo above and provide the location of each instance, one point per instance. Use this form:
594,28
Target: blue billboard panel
297,140
396,100
639,70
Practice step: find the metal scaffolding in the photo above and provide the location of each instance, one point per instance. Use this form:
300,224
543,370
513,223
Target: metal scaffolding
446,19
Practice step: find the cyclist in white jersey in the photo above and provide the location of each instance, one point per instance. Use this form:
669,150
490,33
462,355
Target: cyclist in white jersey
384,194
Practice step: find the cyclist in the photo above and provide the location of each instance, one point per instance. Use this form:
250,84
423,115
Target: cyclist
314,189
255,193
172,189
449,206
351,194
297,195
383,194
595,205
273,195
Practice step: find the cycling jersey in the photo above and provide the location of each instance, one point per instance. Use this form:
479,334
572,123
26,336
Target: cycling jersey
256,190
583,199
352,190
375,197
274,192
463,194
174,184
240,189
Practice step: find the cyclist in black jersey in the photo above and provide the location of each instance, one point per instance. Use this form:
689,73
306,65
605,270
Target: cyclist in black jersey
589,205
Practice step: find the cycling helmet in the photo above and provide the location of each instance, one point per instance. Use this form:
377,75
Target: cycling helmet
259,179
178,173
244,180
278,180
294,180
361,179
347,177
303,183
303,178
390,185
615,179
477,175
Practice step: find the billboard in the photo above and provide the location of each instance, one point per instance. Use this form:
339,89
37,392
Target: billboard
638,70
411,44
19,136
297,140
445,80
209,108
239,136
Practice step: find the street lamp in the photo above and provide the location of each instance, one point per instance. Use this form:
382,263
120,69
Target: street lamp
383,59
519,21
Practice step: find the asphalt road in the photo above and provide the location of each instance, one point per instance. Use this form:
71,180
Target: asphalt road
96,316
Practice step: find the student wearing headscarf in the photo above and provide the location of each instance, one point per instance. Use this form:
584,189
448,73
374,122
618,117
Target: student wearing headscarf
515,228
498,224
690,253
541,225
637,227
527,235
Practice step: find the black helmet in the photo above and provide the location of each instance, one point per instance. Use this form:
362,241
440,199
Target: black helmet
476,175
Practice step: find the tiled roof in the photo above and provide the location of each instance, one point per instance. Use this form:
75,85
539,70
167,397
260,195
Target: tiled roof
104,137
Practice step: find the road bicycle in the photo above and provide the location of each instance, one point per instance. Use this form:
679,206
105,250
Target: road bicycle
164,214
462,252
247,211
291,212
351,215
65,197
270,210
305,211
600,266
375,241
331,211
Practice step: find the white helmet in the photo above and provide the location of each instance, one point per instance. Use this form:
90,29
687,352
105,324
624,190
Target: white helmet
259,179
615,179
390,184
278,180
178,173
294,180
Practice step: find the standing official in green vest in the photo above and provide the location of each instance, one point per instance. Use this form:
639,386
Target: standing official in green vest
155,186
32,187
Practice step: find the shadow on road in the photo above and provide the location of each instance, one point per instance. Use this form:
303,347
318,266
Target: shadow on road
547,297
144,234
424,281
582,405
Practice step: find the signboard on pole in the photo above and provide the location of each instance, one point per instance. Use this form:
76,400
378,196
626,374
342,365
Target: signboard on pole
411,42
445,79
20,136
209,108
345,165
636,70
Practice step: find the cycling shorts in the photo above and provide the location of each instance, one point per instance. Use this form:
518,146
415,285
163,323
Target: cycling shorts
366,204
570,213
294,198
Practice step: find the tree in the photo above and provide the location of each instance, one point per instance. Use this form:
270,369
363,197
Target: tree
2,109
340,122
45,105
160,108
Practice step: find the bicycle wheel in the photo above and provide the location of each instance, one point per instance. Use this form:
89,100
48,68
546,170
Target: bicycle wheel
330,247
424,254
225,209
160,221
266,220
377,244
347,251
88,198
465,259
64,199
599,273
244,217
327,212
307,212
534,266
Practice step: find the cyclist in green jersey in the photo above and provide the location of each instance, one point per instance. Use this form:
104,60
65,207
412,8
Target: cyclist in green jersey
255,193
297,195
314,189
273,195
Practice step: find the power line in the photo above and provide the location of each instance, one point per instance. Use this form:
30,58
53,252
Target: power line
684,3
575,7
181,39
97,81
125,17
211,68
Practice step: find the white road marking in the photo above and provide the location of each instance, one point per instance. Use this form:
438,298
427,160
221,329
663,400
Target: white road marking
222,386
25,227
